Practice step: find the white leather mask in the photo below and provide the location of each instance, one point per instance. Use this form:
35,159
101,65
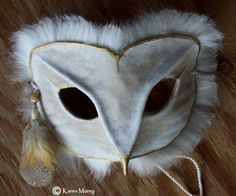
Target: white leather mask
96,83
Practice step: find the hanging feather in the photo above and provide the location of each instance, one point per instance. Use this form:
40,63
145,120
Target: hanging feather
38,160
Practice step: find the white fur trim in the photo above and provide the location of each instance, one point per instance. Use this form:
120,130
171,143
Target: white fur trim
75,28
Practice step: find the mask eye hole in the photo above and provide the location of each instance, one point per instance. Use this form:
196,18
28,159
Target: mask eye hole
77,103
159,96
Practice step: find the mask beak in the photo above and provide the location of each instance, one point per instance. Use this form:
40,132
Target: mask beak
124,164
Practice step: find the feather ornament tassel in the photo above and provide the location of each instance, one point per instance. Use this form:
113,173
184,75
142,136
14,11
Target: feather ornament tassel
37,164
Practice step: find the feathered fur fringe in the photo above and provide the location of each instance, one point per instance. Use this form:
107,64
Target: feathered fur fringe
75,28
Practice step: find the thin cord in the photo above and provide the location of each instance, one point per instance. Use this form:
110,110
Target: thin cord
180,185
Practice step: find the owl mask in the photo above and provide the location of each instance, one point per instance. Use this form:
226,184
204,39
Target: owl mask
140,93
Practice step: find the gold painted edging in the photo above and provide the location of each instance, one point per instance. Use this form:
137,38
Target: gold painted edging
116,56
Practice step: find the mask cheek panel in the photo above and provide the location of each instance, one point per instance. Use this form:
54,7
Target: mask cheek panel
80,135
161,128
